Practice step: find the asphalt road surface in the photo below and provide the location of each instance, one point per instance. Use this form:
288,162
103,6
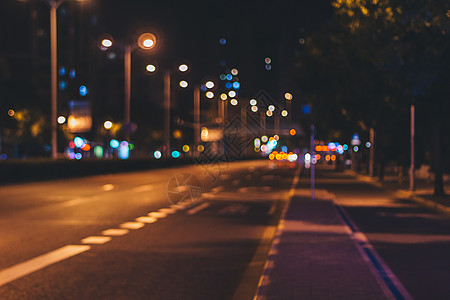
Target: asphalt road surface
193,232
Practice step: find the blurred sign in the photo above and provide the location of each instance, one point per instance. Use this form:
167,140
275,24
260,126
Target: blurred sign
210,135
80,118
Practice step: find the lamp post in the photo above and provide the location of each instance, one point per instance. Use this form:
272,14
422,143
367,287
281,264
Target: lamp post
167,79
53,4
146,41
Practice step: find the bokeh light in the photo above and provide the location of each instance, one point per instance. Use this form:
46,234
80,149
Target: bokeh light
253,102
254,108
151,68
209,95
184,83
107,124
232,94
284,113
61,120
234,102
157,154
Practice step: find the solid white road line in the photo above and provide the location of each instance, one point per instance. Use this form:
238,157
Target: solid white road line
115,232
96,240
197,208
40,262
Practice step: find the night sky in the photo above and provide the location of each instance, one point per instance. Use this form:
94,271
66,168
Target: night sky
188,31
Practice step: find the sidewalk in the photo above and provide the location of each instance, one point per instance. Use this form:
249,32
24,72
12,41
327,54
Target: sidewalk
314,256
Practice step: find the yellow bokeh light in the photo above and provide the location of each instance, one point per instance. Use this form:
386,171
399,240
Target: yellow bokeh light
147,41
284,113
186,148
254,108
210,95
11,113
184,84
288,96
223,96
269,113
234,102
201,148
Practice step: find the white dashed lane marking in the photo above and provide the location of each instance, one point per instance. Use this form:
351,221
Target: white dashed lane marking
132,225
197,208
157,215
96,240
115,232
40,262
147,220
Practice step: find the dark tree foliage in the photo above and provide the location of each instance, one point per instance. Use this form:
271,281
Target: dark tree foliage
375,60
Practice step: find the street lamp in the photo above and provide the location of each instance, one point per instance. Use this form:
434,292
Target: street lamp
53,4
146,41
182,68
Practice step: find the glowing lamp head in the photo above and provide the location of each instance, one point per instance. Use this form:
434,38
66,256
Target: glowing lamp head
150,68
107,124
183,68
209,84
107,43
147,41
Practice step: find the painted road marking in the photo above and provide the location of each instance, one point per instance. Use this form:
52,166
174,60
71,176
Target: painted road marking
40,262
168,210
177,207
148,220
132,225
143,188
108,187
197,208
217,189
96,240
157,215
115,232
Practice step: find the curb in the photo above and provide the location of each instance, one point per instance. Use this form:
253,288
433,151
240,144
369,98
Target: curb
402,193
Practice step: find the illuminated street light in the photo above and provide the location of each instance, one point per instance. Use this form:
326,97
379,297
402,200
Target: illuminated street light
53,4
108,125
151,68
61,120
183,68
184,84
146,41
106,43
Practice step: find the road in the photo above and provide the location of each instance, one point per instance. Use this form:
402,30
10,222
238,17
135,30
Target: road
212,247
193,232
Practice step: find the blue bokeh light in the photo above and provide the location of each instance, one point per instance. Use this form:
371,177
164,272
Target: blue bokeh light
236,85
83,90
175,154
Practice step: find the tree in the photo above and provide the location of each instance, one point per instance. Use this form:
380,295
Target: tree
378,58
